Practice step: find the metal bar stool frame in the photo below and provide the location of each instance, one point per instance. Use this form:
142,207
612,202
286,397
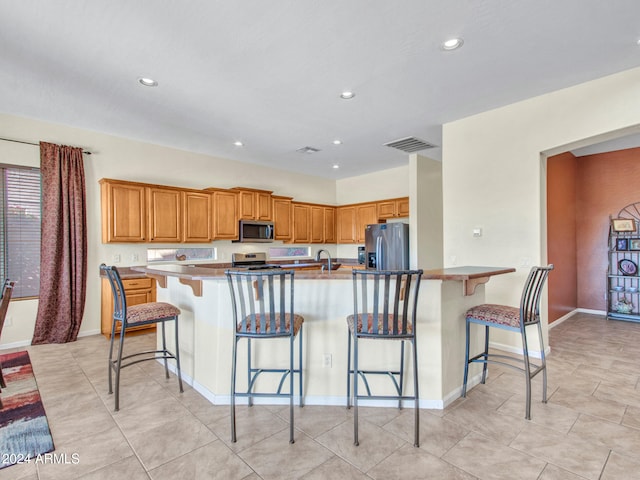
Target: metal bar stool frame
528,315
7,292
247,287
120,315
396,320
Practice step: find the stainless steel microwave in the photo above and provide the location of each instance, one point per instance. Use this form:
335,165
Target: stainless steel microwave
252,231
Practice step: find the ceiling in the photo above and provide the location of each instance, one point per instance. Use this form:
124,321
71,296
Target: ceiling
270,73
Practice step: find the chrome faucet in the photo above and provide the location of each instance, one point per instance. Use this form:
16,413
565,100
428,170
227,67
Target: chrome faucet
328,258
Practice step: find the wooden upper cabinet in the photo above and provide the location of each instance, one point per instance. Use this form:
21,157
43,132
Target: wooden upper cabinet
165,214
330,225
225,214
197,217
124,211
403,207
254,204
393,208
365,214
282,218
317,224
301,223
346,224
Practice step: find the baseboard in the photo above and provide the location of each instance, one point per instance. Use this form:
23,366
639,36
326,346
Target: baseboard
558,321
518,350
27,343
88,333
22,343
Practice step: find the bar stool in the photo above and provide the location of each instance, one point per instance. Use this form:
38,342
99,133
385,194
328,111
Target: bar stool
384,308
515,320
7,291
262,303
136,315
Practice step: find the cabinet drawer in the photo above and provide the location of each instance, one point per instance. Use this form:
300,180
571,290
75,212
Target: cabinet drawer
135,283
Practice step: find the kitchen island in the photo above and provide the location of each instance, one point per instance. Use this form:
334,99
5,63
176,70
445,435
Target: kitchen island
325,300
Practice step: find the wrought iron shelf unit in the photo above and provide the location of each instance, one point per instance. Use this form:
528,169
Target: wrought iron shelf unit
622,290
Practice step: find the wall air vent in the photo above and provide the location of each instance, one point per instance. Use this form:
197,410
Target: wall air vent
410,144
308,150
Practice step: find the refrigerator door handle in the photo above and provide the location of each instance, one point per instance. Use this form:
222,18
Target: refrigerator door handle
379,259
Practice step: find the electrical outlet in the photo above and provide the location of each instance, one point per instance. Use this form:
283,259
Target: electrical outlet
116,258
134,257
8,321
326,360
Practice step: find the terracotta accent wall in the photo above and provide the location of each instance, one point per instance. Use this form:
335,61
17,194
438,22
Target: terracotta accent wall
562,178
607,182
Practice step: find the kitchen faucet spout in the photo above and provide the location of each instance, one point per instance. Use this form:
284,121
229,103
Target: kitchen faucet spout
328,259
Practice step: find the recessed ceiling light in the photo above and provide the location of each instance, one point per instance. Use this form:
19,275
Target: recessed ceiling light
452,44
148,82
337,142
347,95
335,165
238,143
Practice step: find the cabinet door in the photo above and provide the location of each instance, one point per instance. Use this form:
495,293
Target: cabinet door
346,224
282,219
165,215
263,206
246,205
225,216
197,217
387,209
123,212
137,291
365,215
329,225
403,207
301,223
317,224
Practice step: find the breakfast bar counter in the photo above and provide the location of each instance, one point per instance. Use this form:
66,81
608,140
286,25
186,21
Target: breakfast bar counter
324,299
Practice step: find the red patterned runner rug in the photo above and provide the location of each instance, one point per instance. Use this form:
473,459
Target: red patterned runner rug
24,430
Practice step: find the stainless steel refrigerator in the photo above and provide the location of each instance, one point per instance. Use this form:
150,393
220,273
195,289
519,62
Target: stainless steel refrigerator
387,246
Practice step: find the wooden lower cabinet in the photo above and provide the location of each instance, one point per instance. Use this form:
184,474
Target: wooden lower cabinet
137,291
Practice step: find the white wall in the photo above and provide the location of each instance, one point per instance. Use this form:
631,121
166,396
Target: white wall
494,173
125,159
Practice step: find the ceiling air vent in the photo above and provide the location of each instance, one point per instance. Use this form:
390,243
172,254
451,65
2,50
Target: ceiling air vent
308,150
410,144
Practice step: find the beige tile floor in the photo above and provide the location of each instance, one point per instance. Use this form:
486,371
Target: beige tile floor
590,429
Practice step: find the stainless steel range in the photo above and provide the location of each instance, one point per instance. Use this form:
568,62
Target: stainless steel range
251,261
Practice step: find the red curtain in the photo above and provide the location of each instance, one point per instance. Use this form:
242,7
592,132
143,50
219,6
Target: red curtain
63,251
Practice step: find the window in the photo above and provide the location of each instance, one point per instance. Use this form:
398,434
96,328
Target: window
289,252
20,229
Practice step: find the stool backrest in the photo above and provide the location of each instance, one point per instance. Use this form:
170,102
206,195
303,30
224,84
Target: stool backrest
531,294
386,300
119,297
262,301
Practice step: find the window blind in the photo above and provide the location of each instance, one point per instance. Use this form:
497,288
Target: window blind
20,217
